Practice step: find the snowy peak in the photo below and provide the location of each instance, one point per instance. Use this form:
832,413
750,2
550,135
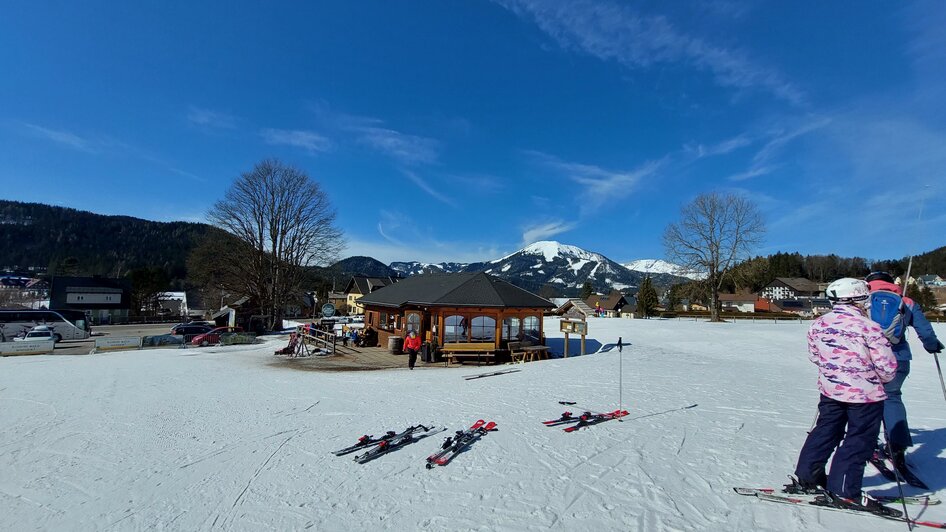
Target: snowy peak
657,266
562,267
652,266
557,268
551,250
418,268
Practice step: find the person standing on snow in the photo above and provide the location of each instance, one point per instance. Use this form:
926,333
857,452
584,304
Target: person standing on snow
854,359
412,346
894,318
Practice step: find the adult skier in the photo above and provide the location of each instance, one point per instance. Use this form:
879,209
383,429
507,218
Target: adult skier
894,317
854,359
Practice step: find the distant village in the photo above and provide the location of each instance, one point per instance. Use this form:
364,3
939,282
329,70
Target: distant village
109,301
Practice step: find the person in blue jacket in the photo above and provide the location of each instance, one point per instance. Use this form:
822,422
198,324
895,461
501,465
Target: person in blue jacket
895,413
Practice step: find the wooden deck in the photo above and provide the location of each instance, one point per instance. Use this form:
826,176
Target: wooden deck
352,359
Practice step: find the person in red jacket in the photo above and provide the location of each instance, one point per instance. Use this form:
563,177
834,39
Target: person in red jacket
412,346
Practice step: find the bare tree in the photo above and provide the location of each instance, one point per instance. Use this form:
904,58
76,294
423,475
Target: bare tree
715,232
286,223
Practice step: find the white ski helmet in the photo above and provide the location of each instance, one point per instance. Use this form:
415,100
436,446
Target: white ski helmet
848,290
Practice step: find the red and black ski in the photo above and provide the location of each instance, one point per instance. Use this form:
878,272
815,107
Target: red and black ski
454,445
587,420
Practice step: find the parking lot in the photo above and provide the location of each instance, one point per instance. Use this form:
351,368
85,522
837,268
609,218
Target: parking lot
82,347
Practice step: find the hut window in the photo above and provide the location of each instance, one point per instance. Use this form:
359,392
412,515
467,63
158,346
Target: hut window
511,329
530,328
483,329
413,322
383,322
454,329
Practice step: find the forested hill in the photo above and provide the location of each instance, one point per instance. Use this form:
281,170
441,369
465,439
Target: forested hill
930,262
69,241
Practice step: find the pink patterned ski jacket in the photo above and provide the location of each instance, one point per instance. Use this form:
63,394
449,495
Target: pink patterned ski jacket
854,358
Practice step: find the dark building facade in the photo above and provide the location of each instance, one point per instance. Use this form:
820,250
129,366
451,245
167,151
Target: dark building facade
103,300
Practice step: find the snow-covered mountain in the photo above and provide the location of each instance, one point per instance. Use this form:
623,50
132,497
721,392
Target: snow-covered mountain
654,266
416,268
566,268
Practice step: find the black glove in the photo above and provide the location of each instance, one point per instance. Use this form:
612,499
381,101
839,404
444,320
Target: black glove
933,346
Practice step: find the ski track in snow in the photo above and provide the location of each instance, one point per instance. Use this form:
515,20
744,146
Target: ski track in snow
217,439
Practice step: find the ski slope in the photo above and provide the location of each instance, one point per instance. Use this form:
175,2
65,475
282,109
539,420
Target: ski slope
218,438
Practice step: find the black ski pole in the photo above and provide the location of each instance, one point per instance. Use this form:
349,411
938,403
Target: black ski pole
940,371
896,474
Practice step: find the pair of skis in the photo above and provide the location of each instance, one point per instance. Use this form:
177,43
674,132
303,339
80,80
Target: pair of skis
925,500
366,441
583,420
388,442
818,501
457,443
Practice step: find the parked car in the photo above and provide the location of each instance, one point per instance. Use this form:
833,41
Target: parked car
38,333
213,336
186,329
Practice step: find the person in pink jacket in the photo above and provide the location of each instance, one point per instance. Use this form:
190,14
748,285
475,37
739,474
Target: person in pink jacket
854,361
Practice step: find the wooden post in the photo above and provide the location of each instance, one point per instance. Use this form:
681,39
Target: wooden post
566,345
583,345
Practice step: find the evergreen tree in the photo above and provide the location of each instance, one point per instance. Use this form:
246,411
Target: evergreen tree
922,296
647,299
586,290
146,284
673,297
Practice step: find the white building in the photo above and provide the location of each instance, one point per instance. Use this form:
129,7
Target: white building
172,303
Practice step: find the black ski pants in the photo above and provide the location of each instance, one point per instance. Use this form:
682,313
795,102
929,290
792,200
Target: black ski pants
411,358
854,446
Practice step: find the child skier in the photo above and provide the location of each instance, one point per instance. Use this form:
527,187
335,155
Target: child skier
854,360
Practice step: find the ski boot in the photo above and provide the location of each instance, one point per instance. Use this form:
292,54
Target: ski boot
864,503
797,487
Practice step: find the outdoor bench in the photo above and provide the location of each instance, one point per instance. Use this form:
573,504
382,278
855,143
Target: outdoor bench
457,352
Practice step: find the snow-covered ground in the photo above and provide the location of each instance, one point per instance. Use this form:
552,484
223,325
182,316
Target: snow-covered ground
218,438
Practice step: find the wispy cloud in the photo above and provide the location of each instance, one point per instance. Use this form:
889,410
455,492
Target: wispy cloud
403,239
206,118
722,148
755,171
542,231
188,175
600,185
417,180
614,32
762,162
310,141
801,216
405,148
65,138
389,223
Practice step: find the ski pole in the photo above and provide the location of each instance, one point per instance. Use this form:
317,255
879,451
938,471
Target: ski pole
621,376
940,371
896,474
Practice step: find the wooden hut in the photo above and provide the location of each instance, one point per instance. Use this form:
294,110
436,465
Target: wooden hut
450,308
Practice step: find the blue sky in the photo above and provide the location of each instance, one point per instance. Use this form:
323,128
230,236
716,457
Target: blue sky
463,130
